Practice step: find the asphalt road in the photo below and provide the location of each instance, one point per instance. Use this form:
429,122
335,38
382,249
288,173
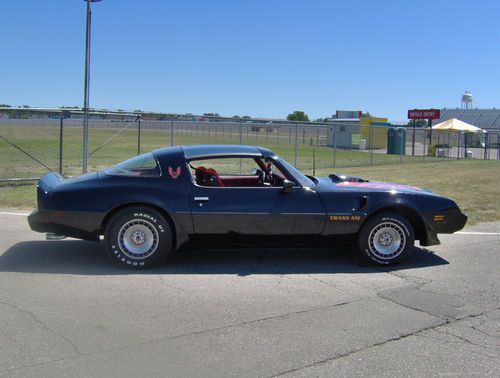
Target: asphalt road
66,311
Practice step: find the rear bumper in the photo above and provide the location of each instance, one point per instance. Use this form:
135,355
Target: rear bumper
44,221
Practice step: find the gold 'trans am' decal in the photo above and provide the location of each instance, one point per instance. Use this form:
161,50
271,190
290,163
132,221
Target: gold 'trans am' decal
345,218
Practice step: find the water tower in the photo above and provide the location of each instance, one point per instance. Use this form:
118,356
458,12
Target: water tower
467,100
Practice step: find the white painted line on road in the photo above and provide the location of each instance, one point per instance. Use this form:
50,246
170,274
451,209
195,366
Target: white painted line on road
478,233
20,214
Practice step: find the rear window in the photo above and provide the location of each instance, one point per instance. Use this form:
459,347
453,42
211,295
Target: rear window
143,166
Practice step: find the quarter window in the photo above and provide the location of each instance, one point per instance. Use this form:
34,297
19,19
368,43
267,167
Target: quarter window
143,166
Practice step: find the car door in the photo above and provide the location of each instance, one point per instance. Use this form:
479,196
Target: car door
256,210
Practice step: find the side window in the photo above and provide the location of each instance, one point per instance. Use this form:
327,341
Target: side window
236,172
228,166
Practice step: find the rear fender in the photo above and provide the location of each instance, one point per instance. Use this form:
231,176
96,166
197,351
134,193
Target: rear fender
181,236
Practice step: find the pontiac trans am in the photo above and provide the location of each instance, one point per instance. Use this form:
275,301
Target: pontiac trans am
154,203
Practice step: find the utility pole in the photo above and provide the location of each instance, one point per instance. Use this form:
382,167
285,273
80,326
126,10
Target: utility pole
86,85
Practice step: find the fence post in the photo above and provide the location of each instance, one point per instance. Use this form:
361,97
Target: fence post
61,128
485,145
403,145
172,131
241,134
465,145
334,145
314,161
425,139
436,150
278,130
498,149
448,144
139,135
296,141
459,145
371,145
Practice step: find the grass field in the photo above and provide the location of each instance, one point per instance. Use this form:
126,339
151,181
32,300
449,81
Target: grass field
42,142
473,184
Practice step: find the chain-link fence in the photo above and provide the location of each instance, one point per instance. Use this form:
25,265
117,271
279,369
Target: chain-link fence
31,147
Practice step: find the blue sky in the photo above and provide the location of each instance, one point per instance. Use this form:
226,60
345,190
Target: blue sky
258,57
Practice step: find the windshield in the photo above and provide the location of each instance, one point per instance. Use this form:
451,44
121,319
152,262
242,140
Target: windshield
143,166
298,175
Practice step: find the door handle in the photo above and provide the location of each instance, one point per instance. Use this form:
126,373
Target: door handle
201,199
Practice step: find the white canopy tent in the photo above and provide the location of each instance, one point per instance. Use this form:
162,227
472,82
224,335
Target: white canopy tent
461,127
454,124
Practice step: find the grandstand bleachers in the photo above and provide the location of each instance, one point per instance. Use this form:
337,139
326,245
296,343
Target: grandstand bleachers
488,119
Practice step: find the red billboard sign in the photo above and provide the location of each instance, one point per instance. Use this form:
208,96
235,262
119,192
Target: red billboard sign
424,114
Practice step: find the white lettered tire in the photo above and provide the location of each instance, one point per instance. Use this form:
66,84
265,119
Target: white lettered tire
386,239
138,237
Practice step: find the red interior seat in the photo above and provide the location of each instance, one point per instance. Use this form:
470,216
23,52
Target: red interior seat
207,177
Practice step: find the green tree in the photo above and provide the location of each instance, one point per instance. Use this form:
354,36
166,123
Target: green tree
418,123
298,115
4,106
19,113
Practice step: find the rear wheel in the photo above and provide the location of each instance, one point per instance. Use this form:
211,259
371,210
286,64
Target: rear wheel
386,239
138,237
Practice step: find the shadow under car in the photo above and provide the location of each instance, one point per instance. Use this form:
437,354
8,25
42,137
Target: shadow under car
89,258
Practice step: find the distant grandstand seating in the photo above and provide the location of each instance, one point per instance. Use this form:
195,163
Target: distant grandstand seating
488,119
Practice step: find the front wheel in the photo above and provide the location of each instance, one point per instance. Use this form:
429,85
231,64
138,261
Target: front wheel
386,239
138,237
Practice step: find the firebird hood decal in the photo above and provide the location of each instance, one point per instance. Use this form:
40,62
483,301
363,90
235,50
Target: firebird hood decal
381,185
326,184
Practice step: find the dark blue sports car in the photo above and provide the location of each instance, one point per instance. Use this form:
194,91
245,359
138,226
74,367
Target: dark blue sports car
154,203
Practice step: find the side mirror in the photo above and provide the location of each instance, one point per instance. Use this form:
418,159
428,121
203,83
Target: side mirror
288,186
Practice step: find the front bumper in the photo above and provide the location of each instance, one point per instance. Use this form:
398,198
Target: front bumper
443,222
448,221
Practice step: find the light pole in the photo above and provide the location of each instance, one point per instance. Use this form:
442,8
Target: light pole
86,86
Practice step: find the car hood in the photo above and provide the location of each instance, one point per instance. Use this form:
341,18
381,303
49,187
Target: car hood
327,184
